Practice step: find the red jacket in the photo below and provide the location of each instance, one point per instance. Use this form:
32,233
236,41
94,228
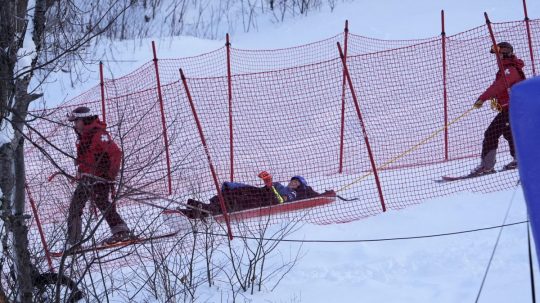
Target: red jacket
97,154
513,72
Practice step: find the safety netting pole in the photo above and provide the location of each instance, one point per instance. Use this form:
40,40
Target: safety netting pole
229,87
207,152
528,26
494,41
364,132
103,110
102,86
344,83
445,91
38,224
163,122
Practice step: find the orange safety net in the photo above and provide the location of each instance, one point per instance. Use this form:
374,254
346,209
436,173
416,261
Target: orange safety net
289,110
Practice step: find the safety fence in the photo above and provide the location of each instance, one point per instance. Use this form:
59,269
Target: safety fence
380,125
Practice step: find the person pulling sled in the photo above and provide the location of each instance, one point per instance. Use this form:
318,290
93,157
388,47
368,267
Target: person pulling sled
498,92
98,163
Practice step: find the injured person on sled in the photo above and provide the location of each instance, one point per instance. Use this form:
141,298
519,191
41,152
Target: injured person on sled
240,196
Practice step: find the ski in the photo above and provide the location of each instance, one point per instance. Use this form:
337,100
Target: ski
506,169
102,246
463,177
470,176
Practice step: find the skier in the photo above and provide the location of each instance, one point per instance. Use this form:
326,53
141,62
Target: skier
240,196
98,161
512,70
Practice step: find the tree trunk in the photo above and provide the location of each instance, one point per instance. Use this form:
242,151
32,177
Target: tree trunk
12,181
14,218
20,229
14,102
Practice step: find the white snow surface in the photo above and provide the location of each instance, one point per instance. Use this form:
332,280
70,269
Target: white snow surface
435,269
6,132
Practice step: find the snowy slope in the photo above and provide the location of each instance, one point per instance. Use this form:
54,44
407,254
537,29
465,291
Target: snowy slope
437,269
440,269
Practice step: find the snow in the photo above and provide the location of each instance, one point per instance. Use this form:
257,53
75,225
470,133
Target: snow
440,269
434,269
6,131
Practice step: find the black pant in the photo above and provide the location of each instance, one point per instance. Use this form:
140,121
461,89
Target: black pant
98,192
500,126
237,199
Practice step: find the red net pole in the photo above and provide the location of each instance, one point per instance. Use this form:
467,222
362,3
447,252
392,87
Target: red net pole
40,229
499,61
445,92
210,164
364,132
163,123
103,112
102,86
229,84
528,26
342,133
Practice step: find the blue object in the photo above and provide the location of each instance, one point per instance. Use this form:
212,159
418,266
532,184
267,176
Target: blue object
301,180
285,191
525,124
233,185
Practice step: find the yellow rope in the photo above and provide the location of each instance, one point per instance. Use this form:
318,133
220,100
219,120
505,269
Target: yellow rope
407,151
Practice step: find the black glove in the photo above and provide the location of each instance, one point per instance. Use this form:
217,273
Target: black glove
478,103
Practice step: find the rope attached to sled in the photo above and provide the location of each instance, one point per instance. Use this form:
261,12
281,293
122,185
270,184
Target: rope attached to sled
408,151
